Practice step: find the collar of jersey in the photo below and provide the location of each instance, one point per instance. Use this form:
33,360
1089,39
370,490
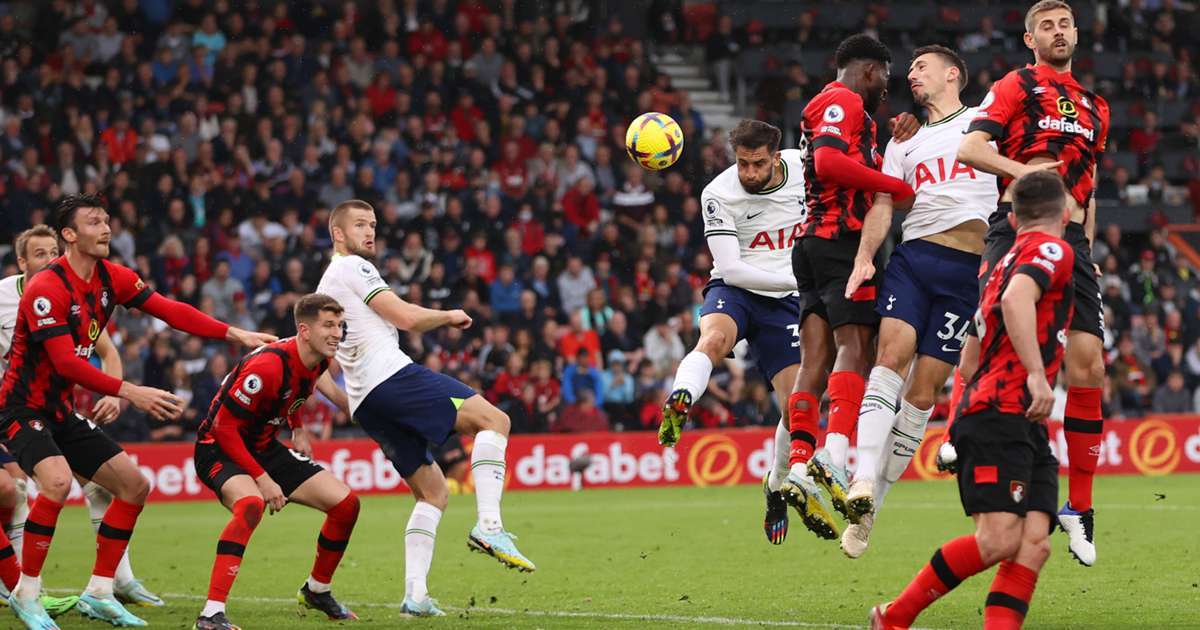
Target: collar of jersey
948,118
21,285
1047,71
767,191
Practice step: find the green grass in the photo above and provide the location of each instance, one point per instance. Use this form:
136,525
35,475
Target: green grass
678,557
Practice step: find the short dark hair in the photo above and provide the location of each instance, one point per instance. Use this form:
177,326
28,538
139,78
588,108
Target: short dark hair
1042,7
861,47
1038,196
949,56
752,134
309,307
64,213
344,207
21,245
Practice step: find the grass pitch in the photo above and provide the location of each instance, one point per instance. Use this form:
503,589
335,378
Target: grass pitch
674,557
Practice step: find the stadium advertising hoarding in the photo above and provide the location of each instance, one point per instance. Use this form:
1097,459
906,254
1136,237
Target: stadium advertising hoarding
1156,446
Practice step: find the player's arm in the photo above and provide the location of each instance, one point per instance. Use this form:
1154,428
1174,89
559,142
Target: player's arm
1019,307
335,394
232,412
832,137
875,228
727,260
413,318
188,319
976,151
109,407
1089,221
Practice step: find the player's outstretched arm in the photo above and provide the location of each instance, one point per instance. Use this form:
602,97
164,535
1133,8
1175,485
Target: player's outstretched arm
727,259
875,228
834,166
109,407
156,402
413,318
976,151
1019,306
335,394
187,318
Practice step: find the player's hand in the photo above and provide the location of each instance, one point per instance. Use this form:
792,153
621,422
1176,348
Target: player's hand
864,269
249,338
458,318
904,126
160,404
271,492
1032,168
106,410
301,443
1042,397
1099,272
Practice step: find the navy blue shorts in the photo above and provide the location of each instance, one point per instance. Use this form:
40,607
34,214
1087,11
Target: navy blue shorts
412,413
770,325
934,289
6,457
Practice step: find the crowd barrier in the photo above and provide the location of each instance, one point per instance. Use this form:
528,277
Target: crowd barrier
1154,446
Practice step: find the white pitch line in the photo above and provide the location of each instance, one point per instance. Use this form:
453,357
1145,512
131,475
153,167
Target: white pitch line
561,614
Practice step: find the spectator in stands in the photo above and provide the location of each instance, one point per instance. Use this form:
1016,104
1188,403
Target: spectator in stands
577,339
574,283
618,387
505,292
221,289
720,51
1173,396
663,346
578,375
582,417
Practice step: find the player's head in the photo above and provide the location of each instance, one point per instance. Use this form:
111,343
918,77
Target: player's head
933,71
352,226
756,149
36,247
318,323
1040,201
82,223
864,65
1050,32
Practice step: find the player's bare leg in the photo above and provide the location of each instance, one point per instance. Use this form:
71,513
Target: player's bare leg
127,588
718,334
1012,589
328,494
129,488
804,408
429,488
775,523
53,477
490,426
855,352
241,496
1082,427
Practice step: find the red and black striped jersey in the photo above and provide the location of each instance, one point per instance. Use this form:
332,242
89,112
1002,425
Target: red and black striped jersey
56,301
1037,110
262,393
836,118
999,383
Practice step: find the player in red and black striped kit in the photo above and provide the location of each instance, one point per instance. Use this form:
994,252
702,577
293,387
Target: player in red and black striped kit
841,177
1008,477
240,458
1040,117
62,311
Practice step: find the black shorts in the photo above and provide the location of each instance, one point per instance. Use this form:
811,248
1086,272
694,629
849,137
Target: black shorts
1004,464
286,467
1089,310
30,438
822,268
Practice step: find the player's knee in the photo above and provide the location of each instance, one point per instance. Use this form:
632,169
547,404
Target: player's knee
347,510
8,491
920,400
55,486
134,489
1035,553
998,543
437,497
250,510
1086,371
714,343
500,423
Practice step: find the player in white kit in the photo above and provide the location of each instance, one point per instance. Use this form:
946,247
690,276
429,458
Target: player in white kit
34,249
930,288
752,213
409,409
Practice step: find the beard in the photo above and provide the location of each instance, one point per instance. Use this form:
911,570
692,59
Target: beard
753,187
359,250
1056,55
873,100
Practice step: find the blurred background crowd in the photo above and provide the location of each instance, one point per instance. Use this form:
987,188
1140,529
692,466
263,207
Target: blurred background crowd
489,137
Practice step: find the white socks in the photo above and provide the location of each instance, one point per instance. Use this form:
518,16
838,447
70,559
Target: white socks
693,373
317,587
28,588
98,499
837,446
419,538
100,586
783,447
875,419
16,527
487,469
900,447
212,607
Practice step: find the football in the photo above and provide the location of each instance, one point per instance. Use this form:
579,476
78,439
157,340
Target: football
654,141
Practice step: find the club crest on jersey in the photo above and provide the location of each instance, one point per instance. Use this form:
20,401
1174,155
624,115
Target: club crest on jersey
1017,490
252,384
296,405
41,306
93,330
834,114
139,285
104,299
1067,108
36,425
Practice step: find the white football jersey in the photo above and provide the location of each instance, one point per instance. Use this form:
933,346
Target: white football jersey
765,223
949,193
10,298
370,351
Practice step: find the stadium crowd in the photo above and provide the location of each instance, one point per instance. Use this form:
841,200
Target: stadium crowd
489,137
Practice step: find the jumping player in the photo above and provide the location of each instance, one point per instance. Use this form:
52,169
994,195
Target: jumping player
841,175
408,409
1008,477
752,215
35,248
1041,118
929,291
240,459
60,317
